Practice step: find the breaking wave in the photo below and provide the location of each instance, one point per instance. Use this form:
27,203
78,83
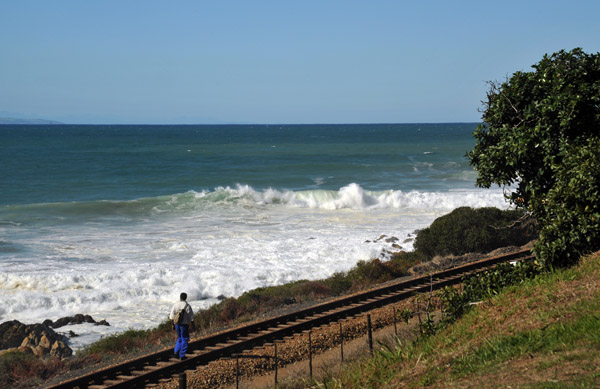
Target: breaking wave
352,196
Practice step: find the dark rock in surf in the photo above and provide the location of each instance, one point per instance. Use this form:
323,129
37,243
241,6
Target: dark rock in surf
77,319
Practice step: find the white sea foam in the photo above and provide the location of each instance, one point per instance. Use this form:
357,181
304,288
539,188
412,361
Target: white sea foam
128,268
355,197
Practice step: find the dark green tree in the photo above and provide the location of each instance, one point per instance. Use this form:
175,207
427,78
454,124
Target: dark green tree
540,136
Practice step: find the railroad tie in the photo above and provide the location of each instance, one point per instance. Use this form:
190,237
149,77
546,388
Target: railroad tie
112,382
449,278
126,377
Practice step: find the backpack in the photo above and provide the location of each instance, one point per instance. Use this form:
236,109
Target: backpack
180,315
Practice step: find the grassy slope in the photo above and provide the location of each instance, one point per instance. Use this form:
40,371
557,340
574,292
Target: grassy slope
545,333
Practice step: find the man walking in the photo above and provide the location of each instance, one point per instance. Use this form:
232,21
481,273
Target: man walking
182,317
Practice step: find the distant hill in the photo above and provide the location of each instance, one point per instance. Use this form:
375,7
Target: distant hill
26,121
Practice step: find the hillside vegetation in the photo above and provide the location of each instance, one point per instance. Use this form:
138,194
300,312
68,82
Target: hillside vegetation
544,332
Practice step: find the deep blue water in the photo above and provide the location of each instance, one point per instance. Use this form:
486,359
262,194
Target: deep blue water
64,163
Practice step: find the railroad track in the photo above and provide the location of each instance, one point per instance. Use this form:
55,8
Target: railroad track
160,365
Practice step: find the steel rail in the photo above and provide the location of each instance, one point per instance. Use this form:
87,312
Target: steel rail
156,366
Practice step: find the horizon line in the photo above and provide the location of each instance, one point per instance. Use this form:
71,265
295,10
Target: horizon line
55,123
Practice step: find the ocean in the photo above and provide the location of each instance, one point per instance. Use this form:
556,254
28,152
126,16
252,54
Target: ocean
116,221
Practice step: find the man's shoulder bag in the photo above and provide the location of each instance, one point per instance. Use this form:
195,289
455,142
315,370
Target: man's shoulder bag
180,315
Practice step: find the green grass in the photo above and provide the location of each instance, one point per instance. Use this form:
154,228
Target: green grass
551,339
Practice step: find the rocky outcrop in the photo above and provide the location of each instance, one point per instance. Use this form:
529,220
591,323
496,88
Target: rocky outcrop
77,319
389,239
38,339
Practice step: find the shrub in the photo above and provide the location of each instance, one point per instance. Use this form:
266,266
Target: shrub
124,342
402,261
367,272
467,230
338,283
23,370
310,290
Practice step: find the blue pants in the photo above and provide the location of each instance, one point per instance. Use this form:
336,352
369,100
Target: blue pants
183,337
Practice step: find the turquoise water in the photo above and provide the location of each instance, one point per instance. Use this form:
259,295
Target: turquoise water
116,221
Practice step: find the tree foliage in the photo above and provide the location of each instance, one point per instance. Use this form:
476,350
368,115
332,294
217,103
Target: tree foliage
540,134
571,210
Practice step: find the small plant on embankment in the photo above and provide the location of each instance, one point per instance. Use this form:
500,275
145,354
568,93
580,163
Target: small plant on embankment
131,341
457,301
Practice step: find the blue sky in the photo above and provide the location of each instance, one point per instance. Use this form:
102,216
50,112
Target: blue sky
154,62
